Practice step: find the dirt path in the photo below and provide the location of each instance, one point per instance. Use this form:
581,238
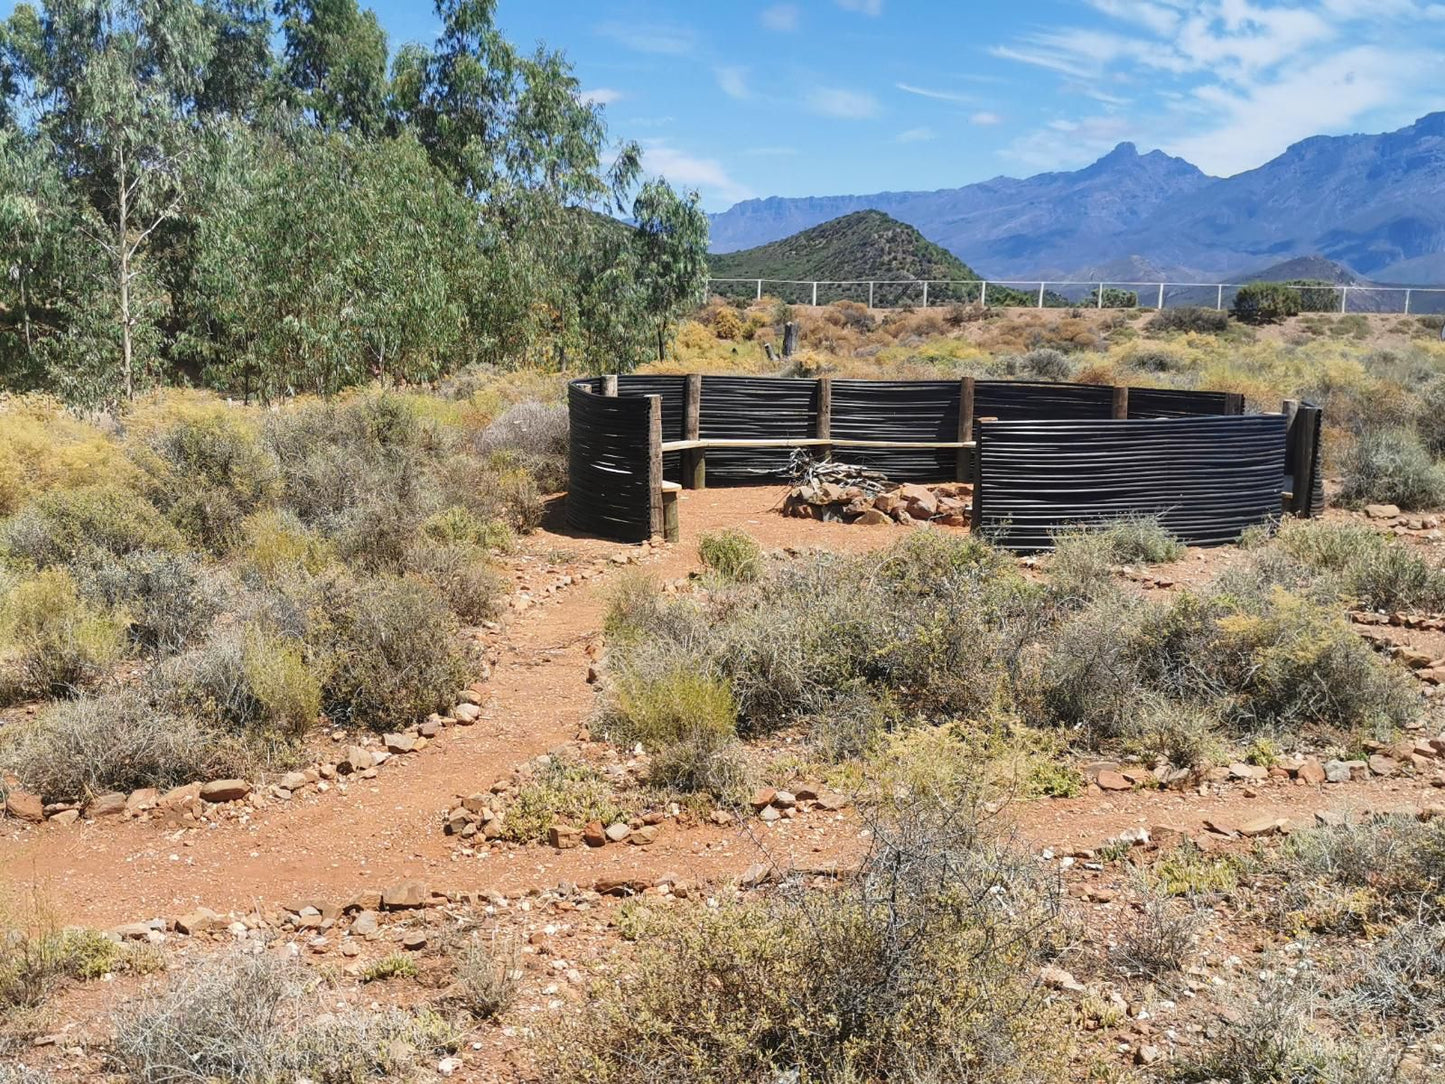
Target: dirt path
327,848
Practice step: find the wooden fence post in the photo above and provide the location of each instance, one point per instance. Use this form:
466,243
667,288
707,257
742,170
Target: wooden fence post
790,338
694,460
1301,420
654,464
824,429
964,469
1233,402
1121,401
609,384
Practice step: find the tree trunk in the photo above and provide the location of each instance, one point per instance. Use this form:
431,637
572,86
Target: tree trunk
661,342
122,259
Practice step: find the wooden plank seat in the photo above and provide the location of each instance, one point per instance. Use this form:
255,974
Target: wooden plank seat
810,442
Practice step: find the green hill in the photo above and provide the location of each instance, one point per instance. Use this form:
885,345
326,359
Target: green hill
863,245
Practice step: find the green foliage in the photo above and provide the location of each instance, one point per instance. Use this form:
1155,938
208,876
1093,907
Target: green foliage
1113,298
733,554
35,960
64,526
1370,568
51,642
562,792
1391,466
1265,303
657,709
394,655
396,966
1189,319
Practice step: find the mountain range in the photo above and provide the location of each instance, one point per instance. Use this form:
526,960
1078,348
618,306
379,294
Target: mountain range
1373,203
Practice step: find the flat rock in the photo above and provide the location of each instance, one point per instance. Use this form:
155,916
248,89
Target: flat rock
1261,826
594,835
1311,772
225,790
466,714
617,832
25,806
1111,780
1382,511
564,837
405,896
106,805
399,743
1383,765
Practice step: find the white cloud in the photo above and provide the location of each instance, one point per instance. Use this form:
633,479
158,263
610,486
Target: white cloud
984,117
937,95
601,96
733,79
838,102
914,135
690,171
865,7
660,38
780,17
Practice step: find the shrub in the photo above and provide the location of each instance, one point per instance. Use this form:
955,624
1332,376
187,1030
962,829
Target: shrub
35,959
272,542
1045,363
563,792
1190,318
169,599
259,1018
52,643
732,554
459,524
1265,303
488,976
70,525
726,324
1158,938
1391,466
703,762
1113,298
657,709
1430,417
464,576
395,655
915,969
396,966
116,742
1368,567
252,681
537,435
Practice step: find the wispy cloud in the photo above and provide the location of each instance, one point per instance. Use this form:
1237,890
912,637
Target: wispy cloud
865,7
733,79
692,171
936,95
985,118
662,38
845,104
1229,82
783,18
601,96
914,135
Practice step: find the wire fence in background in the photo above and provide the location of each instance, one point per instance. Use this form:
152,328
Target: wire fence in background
921,293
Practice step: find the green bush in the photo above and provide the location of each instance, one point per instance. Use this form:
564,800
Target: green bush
1044,363
1265,303
1190,318
66,526
562,792
1315,295
1113,298
1370,569
732,554
1430,417
170,600
53,643
659,708
1391,466
537,435
394,655
463,574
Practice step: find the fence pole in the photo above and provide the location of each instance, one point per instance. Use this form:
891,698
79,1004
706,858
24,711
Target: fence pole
1121,401
694,460
760,289
815,294
823,430
925,293
1160,306
654,464
1041,294
964,470
1219,300
609,384
870,295
1344,297
1407,302
1101,296
983,294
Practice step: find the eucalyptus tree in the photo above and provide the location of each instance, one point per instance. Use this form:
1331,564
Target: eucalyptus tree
335,63
671,246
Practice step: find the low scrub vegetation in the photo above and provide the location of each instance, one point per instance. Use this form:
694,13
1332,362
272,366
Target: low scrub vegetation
193,591
923,966
935,628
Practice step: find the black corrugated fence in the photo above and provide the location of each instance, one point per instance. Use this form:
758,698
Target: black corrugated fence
1047,455
1206,479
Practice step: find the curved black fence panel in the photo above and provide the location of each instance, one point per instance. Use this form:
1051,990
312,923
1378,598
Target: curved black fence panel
1207,479
1173,403
672,390
608,490
757,408
1010,400
902,410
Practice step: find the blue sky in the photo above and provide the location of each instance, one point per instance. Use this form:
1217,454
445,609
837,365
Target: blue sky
819,97
742,98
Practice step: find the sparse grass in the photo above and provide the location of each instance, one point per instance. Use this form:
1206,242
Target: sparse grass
1188,871
488,975
398,965
563,792
732,554
1159,937
257,1018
